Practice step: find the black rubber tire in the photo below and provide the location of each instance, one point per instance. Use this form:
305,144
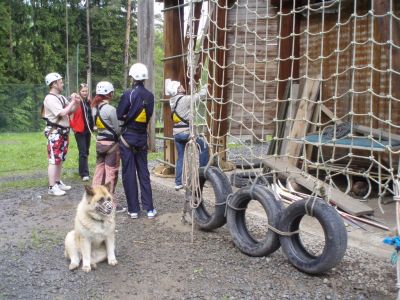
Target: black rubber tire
237,223
243,179
243,164
222,188
334,231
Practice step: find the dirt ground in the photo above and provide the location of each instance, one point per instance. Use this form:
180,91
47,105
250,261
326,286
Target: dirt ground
156,259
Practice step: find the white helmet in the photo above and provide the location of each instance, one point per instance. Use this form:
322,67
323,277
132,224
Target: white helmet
51,77
171,87
104,87
139,72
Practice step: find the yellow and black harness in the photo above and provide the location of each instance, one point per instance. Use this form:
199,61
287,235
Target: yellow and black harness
100,124
176,118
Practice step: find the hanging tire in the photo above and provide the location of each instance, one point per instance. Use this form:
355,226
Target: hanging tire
236,221
334,231
204,219
243,179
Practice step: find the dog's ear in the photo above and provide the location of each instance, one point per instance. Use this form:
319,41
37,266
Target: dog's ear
108,186
89,190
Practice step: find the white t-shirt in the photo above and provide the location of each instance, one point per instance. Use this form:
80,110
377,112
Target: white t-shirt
53,105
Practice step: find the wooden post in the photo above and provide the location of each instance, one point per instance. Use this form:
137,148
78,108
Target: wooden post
218,124
127,38
145,53
173,27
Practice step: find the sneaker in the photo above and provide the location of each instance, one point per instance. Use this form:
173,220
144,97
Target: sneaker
55,191
151,213
133,215
178,187
85,178
63,186
120,209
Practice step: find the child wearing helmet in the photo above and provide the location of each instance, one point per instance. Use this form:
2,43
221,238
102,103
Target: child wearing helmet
135,110
108,131
180,108
55,111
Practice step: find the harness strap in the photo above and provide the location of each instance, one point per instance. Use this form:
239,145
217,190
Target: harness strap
132,148
108,127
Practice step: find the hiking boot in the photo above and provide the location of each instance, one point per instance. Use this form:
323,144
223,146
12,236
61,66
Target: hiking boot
178,187
85,178
120,209
151,213
55,191
133,215
62,186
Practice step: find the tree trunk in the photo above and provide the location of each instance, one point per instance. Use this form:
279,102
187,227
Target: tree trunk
89,51
145,52
127,35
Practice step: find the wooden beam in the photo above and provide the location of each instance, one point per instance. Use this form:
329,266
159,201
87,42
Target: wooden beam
217,63
311,183
173,27
304,113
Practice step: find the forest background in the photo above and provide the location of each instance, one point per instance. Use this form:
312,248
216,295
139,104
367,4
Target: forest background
39,37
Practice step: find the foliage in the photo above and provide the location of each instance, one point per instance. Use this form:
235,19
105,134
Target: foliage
33,35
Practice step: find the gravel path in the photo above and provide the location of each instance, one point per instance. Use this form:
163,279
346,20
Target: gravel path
158,261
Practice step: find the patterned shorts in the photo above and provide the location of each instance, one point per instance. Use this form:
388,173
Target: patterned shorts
57,144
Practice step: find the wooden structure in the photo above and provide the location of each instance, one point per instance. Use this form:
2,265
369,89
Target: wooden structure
256,50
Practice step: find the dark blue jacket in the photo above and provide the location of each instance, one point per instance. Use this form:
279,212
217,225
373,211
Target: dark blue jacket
130,105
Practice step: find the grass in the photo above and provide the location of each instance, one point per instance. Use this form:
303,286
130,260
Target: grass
25,155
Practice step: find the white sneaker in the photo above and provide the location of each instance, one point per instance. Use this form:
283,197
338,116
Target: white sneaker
85,178
151,213
55,191
133,215
178,187
63,186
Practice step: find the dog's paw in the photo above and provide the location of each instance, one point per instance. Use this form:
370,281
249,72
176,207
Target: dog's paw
112,262
86,269
73,266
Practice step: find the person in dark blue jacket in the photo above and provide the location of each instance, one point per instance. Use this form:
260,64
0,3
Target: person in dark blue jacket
135,110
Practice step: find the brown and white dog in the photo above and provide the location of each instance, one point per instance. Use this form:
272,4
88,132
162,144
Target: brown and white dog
93,237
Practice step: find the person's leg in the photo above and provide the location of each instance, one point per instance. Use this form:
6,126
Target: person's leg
129,179
111,168
203,155
81,142
180,143
144,180
99,172
57,148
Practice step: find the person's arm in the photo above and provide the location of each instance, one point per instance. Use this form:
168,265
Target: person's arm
123,107
71,107
115,124
150,106
202,94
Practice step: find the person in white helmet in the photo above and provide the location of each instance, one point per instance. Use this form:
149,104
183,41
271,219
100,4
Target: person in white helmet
55,111
135,110
108,131
180,108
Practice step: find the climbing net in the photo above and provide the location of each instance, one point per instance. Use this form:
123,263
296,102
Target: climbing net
308,88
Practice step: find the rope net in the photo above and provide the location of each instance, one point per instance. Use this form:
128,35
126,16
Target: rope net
307,88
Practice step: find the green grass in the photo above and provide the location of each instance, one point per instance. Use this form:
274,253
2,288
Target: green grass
25,154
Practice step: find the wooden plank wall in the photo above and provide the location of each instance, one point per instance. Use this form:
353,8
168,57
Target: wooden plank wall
252,108
366,54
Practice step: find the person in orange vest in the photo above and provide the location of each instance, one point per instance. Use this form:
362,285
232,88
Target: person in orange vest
82,125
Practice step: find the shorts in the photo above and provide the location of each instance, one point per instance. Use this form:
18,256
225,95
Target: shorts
57,144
